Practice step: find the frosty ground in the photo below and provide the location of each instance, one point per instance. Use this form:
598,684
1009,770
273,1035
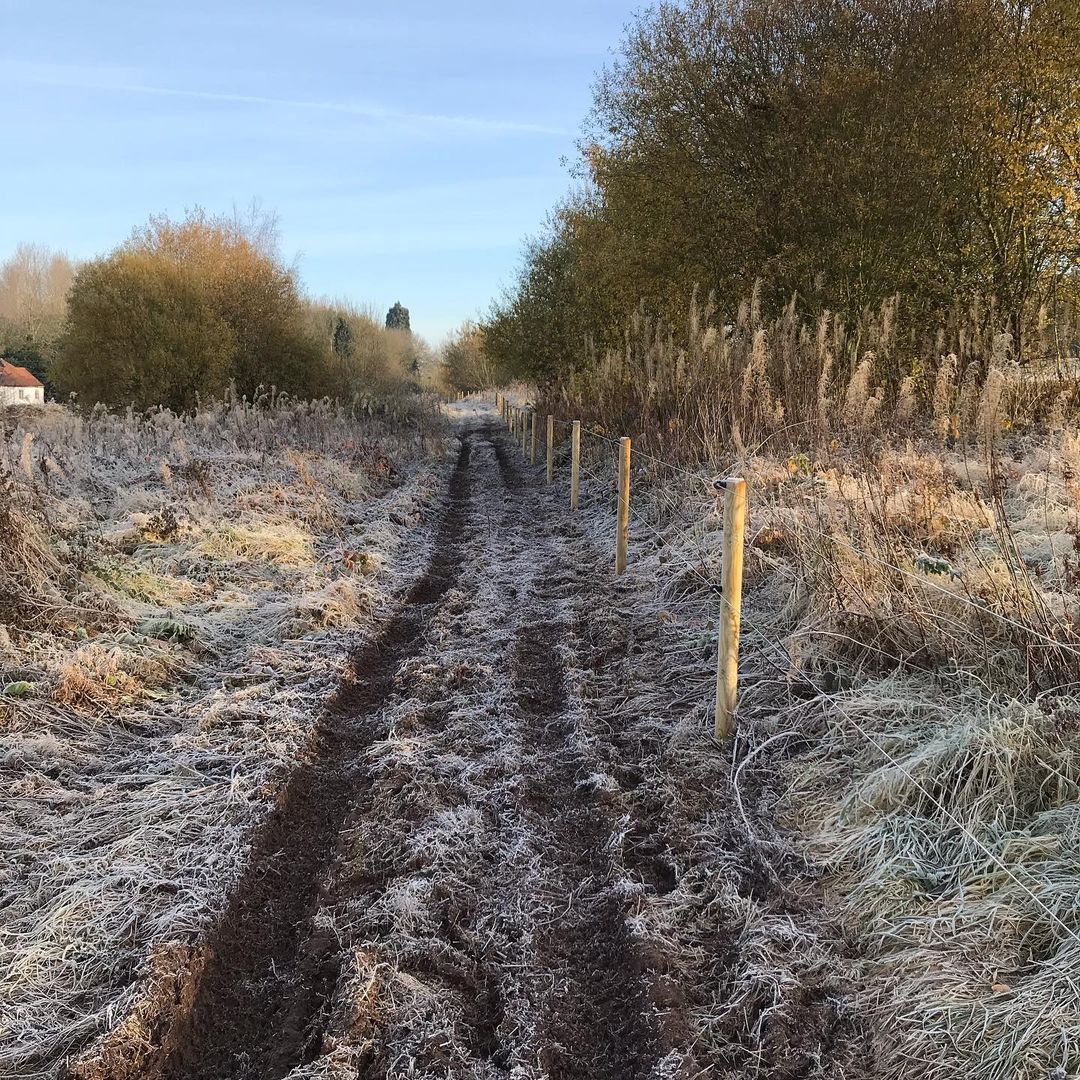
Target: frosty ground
505,848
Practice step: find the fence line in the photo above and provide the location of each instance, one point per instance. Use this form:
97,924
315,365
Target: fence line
734,495
622,556
839,541
734,518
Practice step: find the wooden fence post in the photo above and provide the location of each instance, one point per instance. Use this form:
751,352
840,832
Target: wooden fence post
532,445
575,463
550,448
622,535
727,654
525,432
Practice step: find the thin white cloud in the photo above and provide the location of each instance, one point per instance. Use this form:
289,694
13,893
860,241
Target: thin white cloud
477,124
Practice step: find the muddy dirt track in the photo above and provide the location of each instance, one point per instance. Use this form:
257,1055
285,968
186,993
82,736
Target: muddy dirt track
488,865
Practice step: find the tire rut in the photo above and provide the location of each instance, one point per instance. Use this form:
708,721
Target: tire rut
259,987
596,1020
435,888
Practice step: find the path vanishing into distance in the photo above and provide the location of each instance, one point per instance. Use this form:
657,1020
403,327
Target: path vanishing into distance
489,862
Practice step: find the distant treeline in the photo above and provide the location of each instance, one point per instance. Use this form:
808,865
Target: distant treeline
842,152
184,310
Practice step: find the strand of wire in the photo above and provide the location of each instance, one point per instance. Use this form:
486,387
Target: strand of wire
637,453
929,796
921,580
959,598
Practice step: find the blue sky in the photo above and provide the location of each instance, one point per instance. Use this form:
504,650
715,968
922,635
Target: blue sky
407,148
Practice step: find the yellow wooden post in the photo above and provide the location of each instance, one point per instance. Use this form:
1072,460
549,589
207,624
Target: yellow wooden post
575,463
550,448
622,535
727,655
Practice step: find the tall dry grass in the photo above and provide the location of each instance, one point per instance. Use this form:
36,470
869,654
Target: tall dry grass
696,393
913,586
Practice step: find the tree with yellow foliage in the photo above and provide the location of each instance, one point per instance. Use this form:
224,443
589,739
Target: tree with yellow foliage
183,309
842,151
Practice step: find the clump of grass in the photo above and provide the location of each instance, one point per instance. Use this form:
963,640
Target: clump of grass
36,589
97,677
339,603
169,629
284,545
953,837
144,585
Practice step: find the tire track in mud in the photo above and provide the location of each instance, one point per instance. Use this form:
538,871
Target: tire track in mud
264,974
427,889
488,936
447,884
595,1020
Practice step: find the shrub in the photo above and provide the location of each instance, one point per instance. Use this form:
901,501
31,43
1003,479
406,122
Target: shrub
180,311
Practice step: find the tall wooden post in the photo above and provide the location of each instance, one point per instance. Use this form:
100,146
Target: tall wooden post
727,656
532,444
622,535
575,463
525,431
550,448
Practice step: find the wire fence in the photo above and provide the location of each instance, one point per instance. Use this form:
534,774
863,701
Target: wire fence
700,573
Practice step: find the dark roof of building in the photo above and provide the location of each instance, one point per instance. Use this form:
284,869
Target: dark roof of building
13,375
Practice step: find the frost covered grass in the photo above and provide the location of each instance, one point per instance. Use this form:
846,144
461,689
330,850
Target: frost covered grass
951,832
910,700
178,596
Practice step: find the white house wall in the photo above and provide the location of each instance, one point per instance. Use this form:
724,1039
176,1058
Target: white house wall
22,395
